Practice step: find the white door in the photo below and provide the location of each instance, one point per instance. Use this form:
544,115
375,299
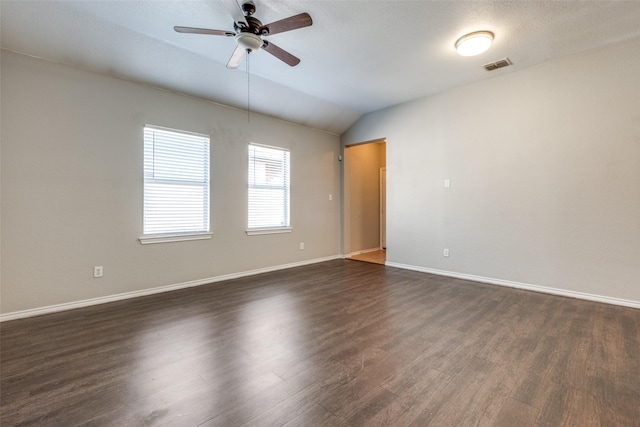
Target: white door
383,208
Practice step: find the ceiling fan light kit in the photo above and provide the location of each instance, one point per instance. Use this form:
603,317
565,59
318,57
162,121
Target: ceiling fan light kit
249,41
474,43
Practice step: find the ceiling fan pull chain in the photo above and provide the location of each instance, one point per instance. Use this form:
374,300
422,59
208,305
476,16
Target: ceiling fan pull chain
248,86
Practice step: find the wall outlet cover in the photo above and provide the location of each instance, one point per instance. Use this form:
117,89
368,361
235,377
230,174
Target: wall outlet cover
98,271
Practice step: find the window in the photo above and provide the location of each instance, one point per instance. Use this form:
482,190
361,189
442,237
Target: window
176,185
268,190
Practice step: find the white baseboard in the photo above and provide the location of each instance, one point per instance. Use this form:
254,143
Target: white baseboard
525,286
118,297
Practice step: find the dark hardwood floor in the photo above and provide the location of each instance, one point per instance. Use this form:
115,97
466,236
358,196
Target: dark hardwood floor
337,343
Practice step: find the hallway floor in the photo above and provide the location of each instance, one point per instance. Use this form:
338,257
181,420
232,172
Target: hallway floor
375,257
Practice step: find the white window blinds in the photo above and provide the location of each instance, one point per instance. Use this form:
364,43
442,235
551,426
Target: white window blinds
268,187
176,182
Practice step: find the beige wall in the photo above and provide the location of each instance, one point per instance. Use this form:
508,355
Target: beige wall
544,166
362,195
72,187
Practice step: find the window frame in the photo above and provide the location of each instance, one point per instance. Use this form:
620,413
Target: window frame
252,231
178,236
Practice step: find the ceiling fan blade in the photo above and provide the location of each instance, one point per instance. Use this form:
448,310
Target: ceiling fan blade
288,24
280,53
192,30
236,57
236,12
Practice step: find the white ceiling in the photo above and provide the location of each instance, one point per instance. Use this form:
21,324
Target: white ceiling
359,56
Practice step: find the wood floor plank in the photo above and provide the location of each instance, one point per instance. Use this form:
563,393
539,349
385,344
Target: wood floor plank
335,343
567,406
316,416
420,394
515,413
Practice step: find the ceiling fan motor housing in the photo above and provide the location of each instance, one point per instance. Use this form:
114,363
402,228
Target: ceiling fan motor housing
253,26
249,8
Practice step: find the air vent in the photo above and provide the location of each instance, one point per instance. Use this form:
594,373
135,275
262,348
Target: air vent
500,63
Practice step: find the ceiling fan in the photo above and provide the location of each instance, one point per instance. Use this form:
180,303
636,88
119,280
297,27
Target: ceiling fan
249,32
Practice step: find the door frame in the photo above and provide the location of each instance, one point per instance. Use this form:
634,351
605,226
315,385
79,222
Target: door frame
345,160
383,208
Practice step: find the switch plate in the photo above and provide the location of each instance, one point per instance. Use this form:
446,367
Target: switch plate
330,196
301,246
447,183
98,270
445,252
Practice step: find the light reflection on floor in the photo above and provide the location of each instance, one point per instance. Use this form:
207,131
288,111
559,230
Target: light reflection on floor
233,368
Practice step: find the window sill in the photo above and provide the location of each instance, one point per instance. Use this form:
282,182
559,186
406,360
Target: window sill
273,230
167,238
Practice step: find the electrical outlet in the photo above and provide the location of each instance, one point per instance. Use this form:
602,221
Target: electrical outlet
98,270
301,246
445,252
330,196
447,183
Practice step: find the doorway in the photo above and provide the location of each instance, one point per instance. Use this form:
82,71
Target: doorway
365,191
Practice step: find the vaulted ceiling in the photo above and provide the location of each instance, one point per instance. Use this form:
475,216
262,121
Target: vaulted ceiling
357,57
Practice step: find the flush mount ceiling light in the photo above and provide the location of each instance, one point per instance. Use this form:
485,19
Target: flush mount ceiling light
474,43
